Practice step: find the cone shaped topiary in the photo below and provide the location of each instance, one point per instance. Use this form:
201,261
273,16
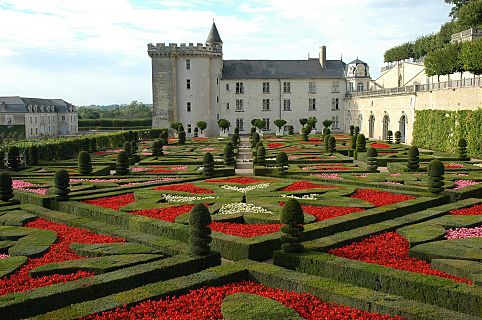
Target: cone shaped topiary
6,187
157,148
353,142
357,130
254,139
128,149
372,155
84,163
282,162
93,145
361,143
291,130
462,149
389,136
135,157
62,184
2,159
181,137
122,163
134,147
398,137
326,140
352,130
199,231
33,155
164,137
86,144
293,218
435,171
235,139
261,156
208,165
229,154
332,144
13,158
413,159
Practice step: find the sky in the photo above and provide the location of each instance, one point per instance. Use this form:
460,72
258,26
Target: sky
95,52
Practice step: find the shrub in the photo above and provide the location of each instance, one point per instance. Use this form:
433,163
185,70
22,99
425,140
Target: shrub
326,131
332,144
128,149
462,149
229,154
2,159
352,130
326,139
13,158
372,155
353,141
327,123
398,137
84,163
175,125
62,184
199,231
182,137
93,145
86,144
208,163
357,130
413,158
291,130
435,171
134,147
164,138
282,161
224,124
33,155
303,121
157,148
235,139
292,217
202,125
253,130
122,163
261,156
254,139
196,132
236,131
279,123
6,188
390,136
306,131
361,143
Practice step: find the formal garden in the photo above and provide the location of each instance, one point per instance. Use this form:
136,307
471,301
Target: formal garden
146,224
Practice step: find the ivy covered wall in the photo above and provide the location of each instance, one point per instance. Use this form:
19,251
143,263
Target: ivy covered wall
441,130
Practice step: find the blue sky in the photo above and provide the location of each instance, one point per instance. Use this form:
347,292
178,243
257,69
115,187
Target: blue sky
95,52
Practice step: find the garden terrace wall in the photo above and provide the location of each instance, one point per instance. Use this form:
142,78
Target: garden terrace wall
271,276
434,290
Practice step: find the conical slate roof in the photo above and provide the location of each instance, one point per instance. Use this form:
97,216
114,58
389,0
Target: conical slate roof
214,35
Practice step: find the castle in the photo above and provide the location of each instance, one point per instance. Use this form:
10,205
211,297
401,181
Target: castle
191,83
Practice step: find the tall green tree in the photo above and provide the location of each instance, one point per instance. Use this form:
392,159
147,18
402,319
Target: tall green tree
469,15
471,56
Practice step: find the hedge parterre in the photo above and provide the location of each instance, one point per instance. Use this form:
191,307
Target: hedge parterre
187,187
380,198
237,180
167,214
470,211
244,230
305,185
205,303
113,202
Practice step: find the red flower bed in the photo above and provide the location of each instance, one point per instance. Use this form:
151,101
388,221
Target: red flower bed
390,249
470,211
60,251
244,230
380,145
380,198
205,304
167,214
323,213
113,202
303,185
275,145
238,180
187,187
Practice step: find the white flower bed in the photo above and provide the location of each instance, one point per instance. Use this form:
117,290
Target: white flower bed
176,198
311,196
246,189
239,207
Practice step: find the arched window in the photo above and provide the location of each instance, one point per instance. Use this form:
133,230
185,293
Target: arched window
403,127
371,126
359,122
386,122
400,83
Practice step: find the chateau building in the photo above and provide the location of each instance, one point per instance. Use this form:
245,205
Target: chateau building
34,118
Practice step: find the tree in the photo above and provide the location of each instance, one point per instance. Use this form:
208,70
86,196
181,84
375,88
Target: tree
84,163
235,139
181,137
327,123
398,137
199,231
282,161
372,159
224,124
62,184
279,123
33,155
254,139
413,159
471,56
157,148
13,158
164,137
390,136
261,156
128,149
435,171
259,124
208,165
122,163
443,61
361,143
229,154
469,15
352,130
196,132
332,144
462,149
312,121
175,125
292,217
457,5
303,121
202,125
6,187
93,145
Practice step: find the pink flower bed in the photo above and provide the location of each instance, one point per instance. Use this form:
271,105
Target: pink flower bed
139,169
25,186
150,181
3,256
459,184
334,176
97,180
208,149
461,233
293,157
453,165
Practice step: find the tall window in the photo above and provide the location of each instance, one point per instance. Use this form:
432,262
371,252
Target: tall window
227,86
188,83
265,104
239,124
227,105
188,107
189,128
312,87
239,87
311,104
188,64
239,105
336,123
335,104
265,87
286,87
266,123
286,105
335,86
359,86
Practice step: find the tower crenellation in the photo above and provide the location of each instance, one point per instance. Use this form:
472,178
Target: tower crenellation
173,49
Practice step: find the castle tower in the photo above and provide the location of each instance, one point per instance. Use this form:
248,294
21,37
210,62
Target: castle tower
185,82
357,76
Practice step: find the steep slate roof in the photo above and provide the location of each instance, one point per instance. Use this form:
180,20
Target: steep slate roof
358,61
19,104
282,69
214,35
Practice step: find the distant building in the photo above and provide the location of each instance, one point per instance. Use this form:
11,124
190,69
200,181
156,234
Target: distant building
34,118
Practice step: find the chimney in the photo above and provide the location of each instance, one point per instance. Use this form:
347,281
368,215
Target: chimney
323,56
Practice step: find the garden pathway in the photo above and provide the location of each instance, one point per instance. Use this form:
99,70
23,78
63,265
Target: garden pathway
244,161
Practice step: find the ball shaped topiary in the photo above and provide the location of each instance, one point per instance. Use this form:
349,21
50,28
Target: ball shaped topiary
199,231
229,154
182,137
352,130
128,149
372,155
33,155
462,149
413,159
62,184
332,144
93,145
261,156
361,143
282,161
292,217
435,171
6,187
122,163
389,136
208,165
84,163
398,137
13,158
